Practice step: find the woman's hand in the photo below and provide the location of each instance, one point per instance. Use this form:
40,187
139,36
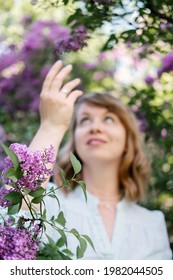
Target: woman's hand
57,99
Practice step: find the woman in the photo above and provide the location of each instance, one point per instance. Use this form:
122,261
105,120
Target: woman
105,138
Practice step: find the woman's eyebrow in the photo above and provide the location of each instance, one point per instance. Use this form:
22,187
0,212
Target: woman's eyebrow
84,113
109,112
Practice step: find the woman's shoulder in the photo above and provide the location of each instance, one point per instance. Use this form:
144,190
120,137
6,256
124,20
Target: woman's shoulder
144,216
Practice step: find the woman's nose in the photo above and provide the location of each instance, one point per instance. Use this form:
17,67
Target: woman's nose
96,126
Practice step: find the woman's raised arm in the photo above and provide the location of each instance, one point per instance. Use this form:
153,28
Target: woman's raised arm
56,107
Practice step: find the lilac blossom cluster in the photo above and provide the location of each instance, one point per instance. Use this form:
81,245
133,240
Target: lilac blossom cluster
167,64
17,244
149,80
43,44
42,34
74,41
33,165
9,58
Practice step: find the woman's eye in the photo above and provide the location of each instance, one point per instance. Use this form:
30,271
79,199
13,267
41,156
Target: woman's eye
84,120
109,120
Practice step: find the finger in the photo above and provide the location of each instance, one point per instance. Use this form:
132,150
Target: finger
51,75
68,87
60,77
72,97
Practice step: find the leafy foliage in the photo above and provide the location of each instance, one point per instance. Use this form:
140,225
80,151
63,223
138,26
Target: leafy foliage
146,22
19,193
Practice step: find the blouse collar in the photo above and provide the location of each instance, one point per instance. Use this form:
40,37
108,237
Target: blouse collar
92,201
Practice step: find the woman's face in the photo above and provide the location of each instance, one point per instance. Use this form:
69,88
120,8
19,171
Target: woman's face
99,135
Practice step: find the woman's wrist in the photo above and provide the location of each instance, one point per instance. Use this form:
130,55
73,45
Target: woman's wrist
48,135
49,128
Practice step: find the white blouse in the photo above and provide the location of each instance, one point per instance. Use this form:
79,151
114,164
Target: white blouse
138,232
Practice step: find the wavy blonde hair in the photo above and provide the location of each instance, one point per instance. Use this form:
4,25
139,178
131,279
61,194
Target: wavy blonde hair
134,168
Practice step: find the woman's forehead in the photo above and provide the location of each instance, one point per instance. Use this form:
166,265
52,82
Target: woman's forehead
87,108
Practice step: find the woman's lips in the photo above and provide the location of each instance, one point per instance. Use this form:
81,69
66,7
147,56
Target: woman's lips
95,142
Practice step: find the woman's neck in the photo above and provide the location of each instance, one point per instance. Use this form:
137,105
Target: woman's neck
102,181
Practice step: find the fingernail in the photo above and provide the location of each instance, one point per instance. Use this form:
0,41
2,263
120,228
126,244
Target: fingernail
69,66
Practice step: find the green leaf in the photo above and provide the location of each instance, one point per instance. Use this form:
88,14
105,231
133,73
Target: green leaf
60,219
60,242
65,2
61,232
83,186
75,163
14,197
50,251
44,214
52,219
37,200
57,256
11,174
12,156
81,249
63,175
26,191
110,43
14,209
89,240
19,172
67,252
71,18
51,241
74,232
64,257
38,192
42,257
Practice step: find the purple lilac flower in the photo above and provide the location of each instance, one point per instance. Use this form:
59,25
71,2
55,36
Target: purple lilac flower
167,64
45,70
33,165
3,192
74,41
166,26
1,164
27,19
17,244
99,75
8,58
7,85
149,80
164,132
41,35
3,138
20,91
143,125
90,65
102,56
